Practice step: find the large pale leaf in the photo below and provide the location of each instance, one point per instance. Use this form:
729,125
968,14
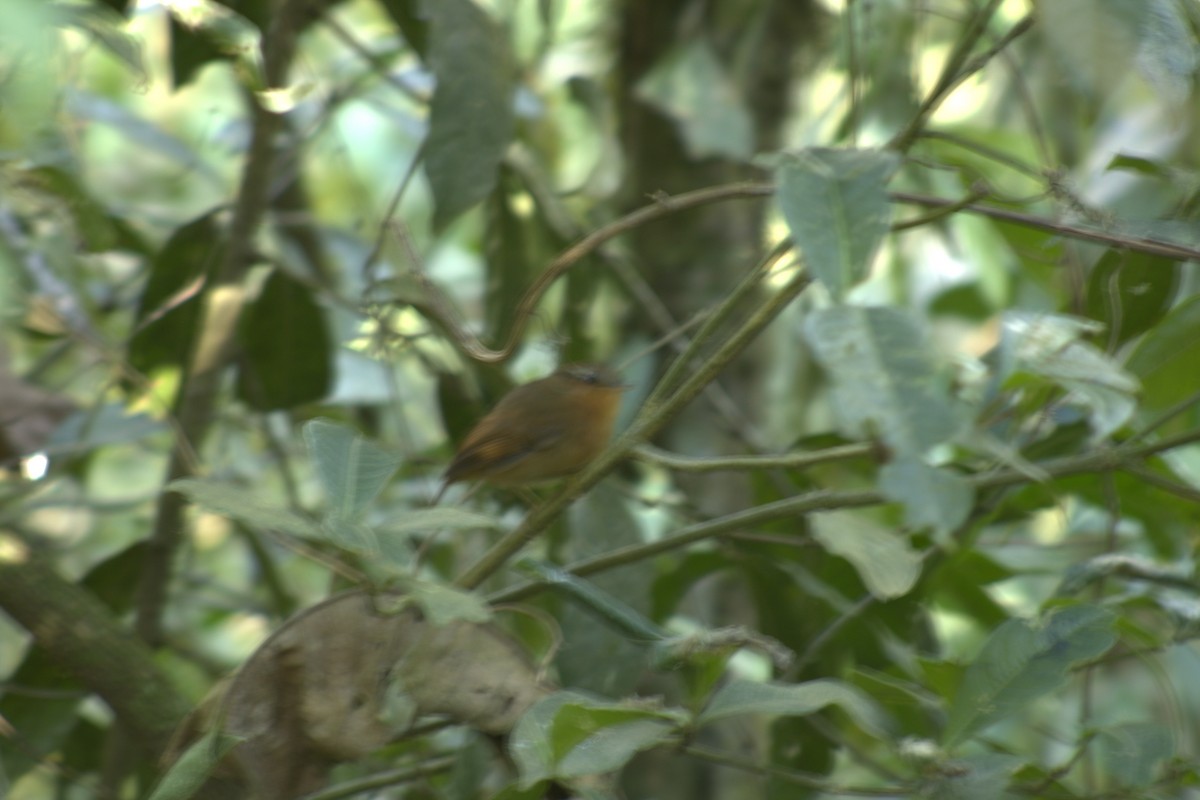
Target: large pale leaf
932,497
884,560
884,381
1133,751
1022,661
836,205
471,115
1049,345
1102,41
352,469
245,505
690,85
793,699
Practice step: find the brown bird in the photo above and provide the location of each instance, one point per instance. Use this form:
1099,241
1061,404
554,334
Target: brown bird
541,430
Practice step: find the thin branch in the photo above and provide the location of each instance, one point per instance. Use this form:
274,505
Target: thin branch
1103,460
394,777
652,417
954,71
217,325
1138,244
679,463
437,308
792,776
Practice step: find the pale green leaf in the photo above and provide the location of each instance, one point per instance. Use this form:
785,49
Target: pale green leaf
690,86
932,497
1049,345
1103,41
884,382
352,469
246,506
884,560
836,205
442,603
1021,661
1133,751
795,700
441,518
189,773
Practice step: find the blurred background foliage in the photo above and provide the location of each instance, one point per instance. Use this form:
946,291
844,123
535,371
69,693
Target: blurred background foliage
263,247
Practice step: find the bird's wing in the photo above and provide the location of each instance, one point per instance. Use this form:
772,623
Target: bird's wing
495,450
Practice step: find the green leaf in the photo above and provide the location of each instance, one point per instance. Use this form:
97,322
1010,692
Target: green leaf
109,424
136,129
245,505
982,776
597,655
352,469
1132,752
1102,41
836,205
884,560
690,85
471,116
442,603
44,714
1165,360
424,520
570,734
1049,346
169,307
885,383
795,699
1021,661
189,773
286,350
604,605
932,497
1130,292
412,24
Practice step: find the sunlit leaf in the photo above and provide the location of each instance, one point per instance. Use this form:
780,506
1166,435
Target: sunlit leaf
1049,346
884,560
885,383
836,205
